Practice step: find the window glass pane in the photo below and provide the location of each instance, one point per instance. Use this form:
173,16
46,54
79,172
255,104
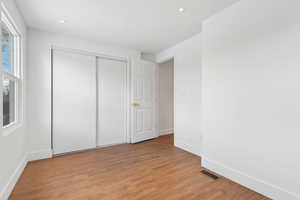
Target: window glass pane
7,39
9,103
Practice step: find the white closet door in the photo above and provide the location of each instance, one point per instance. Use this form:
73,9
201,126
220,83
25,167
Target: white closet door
74,102
111,102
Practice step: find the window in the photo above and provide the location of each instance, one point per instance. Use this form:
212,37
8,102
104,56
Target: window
10,71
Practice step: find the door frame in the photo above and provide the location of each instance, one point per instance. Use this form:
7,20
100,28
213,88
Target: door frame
127,86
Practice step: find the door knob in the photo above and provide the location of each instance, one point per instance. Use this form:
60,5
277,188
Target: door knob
136,105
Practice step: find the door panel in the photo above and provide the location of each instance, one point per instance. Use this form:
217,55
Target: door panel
74,102
143,105
111,102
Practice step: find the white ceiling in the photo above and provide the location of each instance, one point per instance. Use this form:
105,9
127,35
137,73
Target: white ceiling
149,26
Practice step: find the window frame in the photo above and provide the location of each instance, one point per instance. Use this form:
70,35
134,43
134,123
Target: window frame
15,70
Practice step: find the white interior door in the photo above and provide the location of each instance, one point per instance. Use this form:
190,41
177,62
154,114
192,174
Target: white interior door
74,102
111,125
143,105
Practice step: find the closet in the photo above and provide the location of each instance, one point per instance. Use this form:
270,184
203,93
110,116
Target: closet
89,99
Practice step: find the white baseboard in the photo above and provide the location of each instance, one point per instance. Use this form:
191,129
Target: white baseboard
255,184
39,155
166,132
8,188
108,145
182,144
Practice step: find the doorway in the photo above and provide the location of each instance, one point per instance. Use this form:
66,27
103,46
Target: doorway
166,97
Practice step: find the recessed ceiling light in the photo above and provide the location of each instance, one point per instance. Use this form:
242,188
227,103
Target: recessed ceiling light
181,10
62,21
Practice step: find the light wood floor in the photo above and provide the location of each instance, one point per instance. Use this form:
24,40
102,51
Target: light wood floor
152,170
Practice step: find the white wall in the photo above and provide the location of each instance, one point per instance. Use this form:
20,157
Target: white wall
187,92
13,145
251,99
166,97
148,57
39,82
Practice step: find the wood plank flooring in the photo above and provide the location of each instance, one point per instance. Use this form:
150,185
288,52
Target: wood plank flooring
152,170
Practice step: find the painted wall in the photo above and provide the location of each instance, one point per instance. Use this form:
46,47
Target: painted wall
13,144
250,100
187,92
39,82
166,97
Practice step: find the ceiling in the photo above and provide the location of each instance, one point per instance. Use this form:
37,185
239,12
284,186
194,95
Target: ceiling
146,25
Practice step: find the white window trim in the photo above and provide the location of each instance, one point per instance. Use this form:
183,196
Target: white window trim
17,73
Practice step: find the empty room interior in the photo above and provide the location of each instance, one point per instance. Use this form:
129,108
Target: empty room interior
150,100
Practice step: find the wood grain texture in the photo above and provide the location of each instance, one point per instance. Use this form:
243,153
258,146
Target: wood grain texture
152,170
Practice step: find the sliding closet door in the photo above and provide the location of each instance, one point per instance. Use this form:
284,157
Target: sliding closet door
74,102
111,102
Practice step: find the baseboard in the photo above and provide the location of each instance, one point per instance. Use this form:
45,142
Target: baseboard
255,184
6,191
39,155
182,144
108,145
166,132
